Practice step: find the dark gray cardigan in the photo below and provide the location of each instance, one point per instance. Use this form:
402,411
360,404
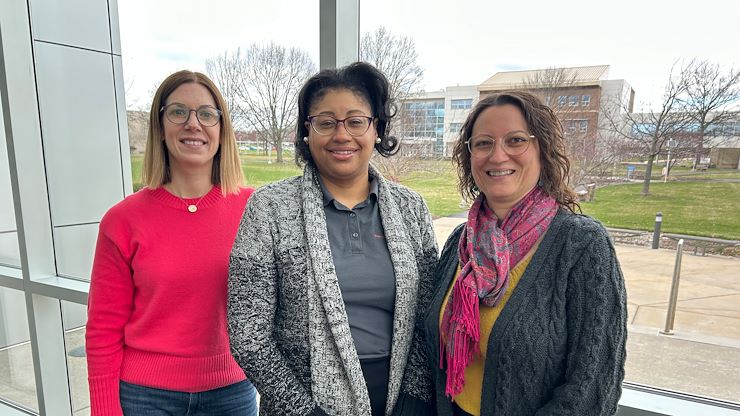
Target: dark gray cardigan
287,323
558,347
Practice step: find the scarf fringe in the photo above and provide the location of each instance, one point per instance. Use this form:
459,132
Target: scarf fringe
464,323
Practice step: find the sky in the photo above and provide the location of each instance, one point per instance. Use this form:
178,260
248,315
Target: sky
459,42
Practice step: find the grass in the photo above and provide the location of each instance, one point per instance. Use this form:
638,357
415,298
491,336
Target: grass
694,208
258,172
702,209
439,190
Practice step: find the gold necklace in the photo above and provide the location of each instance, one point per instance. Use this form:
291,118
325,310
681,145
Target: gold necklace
192,208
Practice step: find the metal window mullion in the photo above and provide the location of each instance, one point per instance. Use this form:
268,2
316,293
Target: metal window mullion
339,32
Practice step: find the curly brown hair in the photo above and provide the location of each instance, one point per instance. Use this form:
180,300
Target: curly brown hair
544,125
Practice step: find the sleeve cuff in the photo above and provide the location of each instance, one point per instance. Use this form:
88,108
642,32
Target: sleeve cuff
104,396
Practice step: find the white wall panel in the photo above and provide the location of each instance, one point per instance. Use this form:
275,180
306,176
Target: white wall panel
9,253
79,132
7,212
82,23
74,247
115,31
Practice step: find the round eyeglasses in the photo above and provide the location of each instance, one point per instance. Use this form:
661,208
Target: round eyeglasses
178,113
355,125
513,144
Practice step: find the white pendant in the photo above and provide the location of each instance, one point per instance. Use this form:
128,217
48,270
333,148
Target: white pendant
192,208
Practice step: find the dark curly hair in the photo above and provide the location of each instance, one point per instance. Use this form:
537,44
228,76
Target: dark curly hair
544,125
362,79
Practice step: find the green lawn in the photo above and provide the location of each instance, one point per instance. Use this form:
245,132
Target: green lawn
437,188
693,208
703,209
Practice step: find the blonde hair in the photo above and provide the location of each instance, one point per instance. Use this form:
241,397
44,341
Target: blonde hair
227,171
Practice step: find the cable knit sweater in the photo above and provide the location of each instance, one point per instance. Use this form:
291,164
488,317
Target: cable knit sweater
287,322
157,304
558,347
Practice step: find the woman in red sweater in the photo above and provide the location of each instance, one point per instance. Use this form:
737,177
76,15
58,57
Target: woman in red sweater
156,338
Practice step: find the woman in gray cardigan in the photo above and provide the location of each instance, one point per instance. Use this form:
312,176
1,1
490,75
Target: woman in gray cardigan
529,317
330,271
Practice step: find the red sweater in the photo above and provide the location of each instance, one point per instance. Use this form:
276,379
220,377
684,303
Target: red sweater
157,304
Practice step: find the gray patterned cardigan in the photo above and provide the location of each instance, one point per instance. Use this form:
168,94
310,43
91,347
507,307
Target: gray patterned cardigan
287,322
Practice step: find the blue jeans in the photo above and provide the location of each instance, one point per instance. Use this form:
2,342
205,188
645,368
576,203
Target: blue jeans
238,399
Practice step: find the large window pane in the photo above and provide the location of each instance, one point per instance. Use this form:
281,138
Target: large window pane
74,318
464,61
155,45
17,381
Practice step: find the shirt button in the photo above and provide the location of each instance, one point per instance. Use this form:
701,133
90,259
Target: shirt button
352,214
355,235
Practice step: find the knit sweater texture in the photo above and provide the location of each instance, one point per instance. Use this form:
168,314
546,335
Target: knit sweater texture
287,320
558,346
157,303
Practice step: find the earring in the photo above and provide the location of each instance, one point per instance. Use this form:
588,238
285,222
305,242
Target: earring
540,182
305,139
378,140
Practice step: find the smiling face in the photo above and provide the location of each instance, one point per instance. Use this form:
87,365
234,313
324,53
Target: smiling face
191,146
340,158
502,178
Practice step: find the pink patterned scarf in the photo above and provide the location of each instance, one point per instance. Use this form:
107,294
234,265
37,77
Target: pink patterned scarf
486,251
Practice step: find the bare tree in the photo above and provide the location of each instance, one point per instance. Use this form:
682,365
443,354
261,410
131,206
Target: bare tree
226,72
550,83
262,86
591,150
647,133
396,57
711,97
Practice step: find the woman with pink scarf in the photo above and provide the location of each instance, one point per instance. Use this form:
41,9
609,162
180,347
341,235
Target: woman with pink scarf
529,316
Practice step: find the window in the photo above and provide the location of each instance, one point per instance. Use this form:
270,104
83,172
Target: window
461,104
455,127
585,100
573,100
570,126
562,100
423,118
582,125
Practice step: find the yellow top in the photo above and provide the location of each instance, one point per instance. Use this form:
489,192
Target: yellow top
470,397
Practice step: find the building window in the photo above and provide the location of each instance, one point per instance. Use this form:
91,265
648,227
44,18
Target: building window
583,125
562,100
423,119
455,127
461,104
570,126
585,100
573,100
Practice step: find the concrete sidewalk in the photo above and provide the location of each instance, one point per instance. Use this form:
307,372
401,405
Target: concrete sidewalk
702,357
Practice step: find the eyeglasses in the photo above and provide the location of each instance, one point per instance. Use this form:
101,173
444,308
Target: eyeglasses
355,125
179,114
514,143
